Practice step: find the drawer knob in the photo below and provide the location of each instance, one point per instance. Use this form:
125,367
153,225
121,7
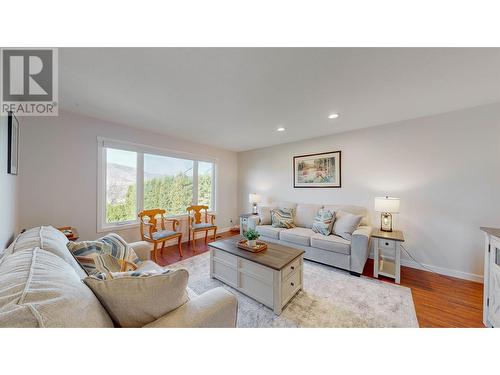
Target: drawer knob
292,267
387,244
292,284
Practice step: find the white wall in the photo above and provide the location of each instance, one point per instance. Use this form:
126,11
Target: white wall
59,170
8,191
445,169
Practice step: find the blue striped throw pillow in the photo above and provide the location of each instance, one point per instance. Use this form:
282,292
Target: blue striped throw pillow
323,223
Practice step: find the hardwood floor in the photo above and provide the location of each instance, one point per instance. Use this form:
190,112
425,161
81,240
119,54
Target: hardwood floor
171,255
440,301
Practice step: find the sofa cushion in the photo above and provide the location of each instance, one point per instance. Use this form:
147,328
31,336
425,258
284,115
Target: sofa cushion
39,289
269,231
297,235
137,298
355,210
323,222
282,218
345,224
331,243
50,239
305,214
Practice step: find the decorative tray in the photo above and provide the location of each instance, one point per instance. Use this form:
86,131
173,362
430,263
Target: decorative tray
261,246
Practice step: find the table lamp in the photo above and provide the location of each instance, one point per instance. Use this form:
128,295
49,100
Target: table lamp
254,199
386,206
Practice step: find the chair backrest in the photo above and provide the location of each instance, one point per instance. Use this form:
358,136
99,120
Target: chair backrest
152,219
194,213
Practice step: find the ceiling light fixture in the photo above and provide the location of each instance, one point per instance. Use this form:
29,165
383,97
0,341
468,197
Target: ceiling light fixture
333,115
281,129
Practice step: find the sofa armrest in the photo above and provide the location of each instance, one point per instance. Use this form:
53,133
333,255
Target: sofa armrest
142,249
360,248
216,308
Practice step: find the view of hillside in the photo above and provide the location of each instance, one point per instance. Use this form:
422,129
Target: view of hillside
172,193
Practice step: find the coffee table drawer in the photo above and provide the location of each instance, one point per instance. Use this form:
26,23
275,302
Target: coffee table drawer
291,286
262,273
256,289
289,268
225,257
225,273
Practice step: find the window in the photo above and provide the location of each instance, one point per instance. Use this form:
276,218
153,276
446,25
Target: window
134,177
168,183
121,191
205,173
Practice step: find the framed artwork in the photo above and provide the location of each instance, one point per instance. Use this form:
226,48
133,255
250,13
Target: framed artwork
317,170
13,144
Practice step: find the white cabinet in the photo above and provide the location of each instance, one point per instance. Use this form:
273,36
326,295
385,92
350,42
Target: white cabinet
271,287
387,254
491,297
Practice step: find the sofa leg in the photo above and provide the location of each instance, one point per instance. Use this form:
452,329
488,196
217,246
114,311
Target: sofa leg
355,273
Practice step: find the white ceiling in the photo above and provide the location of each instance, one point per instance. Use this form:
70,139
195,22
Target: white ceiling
235,98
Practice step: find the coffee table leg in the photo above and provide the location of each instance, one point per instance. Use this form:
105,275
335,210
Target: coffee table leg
277,307
211,264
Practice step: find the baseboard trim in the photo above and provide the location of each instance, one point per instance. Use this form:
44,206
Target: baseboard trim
441,270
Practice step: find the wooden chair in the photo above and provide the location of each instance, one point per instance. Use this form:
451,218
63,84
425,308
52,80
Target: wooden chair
196,224
150,231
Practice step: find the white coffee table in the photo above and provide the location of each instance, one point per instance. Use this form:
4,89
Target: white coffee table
272,277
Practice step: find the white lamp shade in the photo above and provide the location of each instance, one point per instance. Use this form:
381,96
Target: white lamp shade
387,204
254,198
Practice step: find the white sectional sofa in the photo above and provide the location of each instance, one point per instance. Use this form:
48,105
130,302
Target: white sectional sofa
332,250
41,286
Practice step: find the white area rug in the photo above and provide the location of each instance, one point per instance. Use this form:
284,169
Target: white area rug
331,298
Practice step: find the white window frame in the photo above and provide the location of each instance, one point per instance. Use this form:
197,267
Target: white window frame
104,143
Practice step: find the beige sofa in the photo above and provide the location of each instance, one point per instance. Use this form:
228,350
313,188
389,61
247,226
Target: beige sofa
41,286
332,250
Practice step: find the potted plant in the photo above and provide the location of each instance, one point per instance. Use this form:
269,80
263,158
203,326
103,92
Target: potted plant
252,236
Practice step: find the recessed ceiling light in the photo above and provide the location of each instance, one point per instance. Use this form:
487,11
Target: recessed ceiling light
281,129
333,115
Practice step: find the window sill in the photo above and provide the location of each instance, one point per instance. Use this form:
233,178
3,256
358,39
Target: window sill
136,224
118,227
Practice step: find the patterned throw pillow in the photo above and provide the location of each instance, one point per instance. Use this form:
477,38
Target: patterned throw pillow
120,248
282,218
91,254
118,275
107,264
323,222
85,253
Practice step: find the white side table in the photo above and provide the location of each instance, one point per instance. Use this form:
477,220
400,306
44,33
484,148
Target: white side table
384,245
